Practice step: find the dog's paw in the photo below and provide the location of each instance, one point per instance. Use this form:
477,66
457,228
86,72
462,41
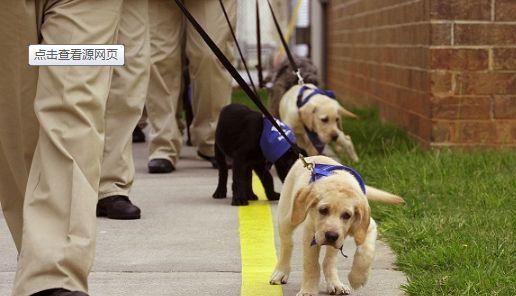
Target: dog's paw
219,194
357,280
273,196
252,196
279,277
239,202
337,288
307,293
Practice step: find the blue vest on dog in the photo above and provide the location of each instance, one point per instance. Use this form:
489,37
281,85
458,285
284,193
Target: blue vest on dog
272,143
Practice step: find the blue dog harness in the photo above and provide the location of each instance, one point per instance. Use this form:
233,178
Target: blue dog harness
315,91
324,170
272,143
312,136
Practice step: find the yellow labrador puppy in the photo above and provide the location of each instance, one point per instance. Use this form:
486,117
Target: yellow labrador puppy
334,206
314,115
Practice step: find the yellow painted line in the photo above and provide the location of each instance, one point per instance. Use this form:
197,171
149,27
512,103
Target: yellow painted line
257,246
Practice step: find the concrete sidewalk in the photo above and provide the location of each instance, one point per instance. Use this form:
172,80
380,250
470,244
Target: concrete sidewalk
186,242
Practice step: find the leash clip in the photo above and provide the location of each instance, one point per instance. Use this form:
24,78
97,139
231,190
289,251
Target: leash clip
300,79
308,165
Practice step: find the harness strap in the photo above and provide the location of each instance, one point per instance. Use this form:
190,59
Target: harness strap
314,139
325,170
234,73
315,91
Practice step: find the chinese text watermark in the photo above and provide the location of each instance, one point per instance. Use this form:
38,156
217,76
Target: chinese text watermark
76,55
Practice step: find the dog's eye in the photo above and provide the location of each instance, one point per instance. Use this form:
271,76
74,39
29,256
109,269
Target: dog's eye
345,216
324,211
325,119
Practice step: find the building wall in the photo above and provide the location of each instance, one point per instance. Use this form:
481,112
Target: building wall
445,70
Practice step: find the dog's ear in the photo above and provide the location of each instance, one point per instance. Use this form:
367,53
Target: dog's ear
345,113
307,115
304,200
361,222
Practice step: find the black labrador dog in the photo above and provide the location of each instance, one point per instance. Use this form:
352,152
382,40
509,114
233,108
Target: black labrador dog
238,136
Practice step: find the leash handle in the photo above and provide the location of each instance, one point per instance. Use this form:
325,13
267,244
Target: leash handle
285,45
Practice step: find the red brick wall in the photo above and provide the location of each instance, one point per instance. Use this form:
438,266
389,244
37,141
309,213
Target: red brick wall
445,70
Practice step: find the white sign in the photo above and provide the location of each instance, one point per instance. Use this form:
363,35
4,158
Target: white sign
76,55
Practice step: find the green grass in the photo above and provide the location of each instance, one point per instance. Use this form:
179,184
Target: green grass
240,97
455,235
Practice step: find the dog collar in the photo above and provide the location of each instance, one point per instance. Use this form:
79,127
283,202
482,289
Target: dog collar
272,143
324,170
315,91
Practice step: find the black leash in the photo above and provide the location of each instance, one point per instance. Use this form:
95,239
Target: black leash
227,64
187,104
259,46
237,45
285,45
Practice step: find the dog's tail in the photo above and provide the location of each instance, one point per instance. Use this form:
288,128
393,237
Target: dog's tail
383,196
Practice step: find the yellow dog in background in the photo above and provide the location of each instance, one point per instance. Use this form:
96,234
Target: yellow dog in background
334,207
319,115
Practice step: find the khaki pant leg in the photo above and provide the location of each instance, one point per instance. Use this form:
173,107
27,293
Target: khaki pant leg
211,83
59,223
126,100
18,124
167,33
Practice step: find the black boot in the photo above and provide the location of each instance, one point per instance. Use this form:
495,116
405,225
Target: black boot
59,292
160,166
138,135
117,207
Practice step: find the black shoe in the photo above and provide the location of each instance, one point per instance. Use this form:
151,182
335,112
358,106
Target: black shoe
211,159
117,207
160,166
59,292
138,135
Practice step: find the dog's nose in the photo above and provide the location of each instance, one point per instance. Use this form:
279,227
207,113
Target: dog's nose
334,137
331,236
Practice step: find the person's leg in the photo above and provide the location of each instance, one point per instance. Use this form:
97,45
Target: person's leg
18,124
166,37
123,111
211,83
59,223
